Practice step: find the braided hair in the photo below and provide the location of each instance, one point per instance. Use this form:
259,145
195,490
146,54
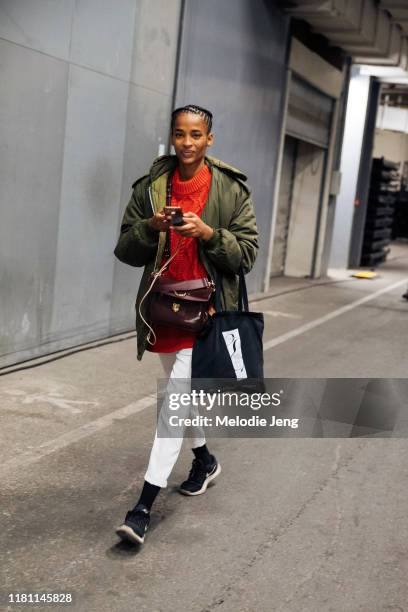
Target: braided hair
196,110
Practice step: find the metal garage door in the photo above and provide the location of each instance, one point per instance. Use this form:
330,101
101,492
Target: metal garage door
309,113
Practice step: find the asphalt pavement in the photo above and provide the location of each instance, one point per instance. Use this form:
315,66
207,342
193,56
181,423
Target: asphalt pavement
291,525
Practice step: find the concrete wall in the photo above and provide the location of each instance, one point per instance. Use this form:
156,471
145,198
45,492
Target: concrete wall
233,59
87,102
392,145
357,104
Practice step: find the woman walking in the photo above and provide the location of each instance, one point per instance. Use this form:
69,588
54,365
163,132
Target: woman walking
217,236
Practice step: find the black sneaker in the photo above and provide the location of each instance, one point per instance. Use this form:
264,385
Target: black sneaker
201,474
135,526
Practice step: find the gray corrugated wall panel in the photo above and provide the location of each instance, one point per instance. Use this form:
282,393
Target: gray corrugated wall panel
111,135
91,185
43,25
233,61
155,44
148,120
102,35
32,122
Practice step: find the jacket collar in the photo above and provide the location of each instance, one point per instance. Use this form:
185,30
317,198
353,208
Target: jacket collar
167,163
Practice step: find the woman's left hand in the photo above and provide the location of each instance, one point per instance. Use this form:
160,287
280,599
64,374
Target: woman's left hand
194,227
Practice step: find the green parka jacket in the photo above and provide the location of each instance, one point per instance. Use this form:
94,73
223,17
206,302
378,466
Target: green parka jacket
229,210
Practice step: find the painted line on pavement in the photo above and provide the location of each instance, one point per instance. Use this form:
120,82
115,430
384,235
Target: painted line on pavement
61,442
331,315
107,420
277,313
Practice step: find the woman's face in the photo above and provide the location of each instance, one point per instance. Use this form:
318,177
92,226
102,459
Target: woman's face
190,138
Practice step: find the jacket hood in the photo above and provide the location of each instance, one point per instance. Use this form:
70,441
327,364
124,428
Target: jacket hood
164,163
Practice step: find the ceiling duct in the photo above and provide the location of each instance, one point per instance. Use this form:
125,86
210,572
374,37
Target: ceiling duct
379,45
371,34
361,30
399,12
323,13
396,53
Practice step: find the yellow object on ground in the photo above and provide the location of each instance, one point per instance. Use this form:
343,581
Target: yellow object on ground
365,275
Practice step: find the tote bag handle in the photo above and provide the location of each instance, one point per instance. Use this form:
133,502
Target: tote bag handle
242,292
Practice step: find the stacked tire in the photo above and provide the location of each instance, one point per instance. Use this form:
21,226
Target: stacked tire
384,189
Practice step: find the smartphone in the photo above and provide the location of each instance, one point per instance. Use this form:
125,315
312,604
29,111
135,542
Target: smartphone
176,214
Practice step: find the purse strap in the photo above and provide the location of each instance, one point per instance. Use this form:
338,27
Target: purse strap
243,305
157,274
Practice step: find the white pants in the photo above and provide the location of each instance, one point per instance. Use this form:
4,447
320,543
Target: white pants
165,451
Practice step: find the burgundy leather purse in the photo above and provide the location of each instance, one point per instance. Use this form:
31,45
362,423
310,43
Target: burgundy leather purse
180,304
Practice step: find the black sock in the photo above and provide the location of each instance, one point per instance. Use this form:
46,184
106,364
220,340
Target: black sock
148,495
203,454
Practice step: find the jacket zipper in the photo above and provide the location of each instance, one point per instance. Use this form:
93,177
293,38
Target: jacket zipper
155,268
150,198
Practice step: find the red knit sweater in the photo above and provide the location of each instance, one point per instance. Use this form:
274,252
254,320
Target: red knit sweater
192,196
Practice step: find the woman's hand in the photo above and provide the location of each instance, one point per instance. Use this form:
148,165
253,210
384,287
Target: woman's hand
159,222
194,227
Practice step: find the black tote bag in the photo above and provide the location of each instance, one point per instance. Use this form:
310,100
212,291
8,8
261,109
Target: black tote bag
230,345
